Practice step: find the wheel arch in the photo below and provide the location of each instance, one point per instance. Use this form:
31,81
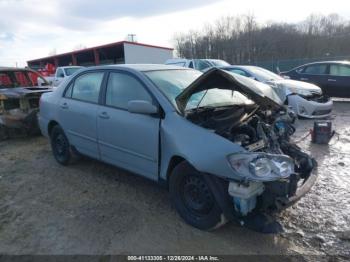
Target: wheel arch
173,162
51,125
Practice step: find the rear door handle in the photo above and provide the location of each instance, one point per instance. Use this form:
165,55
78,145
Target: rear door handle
64,105
104,115
304,79
332,80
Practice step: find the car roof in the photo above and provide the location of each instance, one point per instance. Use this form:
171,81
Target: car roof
64,67
239,66
176,60
344,62
140,67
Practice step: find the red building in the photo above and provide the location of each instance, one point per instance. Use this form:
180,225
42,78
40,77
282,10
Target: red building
123,52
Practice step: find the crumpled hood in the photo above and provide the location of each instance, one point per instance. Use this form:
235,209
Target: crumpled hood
16,92
260,93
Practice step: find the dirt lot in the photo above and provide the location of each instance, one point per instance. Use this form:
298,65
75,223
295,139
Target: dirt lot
93,208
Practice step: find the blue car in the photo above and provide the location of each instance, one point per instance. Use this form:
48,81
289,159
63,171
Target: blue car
218,141
332,76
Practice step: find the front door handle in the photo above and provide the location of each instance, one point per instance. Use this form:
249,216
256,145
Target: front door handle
332,80
304,79
64,105
104,115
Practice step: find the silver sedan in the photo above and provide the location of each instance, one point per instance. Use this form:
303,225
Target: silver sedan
305,99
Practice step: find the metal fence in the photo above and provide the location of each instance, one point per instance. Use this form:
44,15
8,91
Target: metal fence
287,64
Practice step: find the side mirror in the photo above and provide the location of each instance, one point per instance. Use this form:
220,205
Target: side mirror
142,107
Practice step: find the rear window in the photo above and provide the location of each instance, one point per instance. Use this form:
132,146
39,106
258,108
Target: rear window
339,70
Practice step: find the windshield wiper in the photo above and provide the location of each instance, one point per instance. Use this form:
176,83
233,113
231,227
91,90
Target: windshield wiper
201,108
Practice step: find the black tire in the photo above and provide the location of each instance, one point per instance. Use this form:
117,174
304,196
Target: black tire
193,199
60,146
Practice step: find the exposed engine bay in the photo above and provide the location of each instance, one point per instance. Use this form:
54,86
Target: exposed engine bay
258,130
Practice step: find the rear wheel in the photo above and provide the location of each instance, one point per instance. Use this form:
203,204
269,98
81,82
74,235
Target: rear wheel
193,199
60,146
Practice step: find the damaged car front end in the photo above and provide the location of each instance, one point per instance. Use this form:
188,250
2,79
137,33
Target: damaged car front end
270,173
19,102
219,142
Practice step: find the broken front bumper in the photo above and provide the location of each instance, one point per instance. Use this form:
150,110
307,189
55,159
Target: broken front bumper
319,107
304,188
279,195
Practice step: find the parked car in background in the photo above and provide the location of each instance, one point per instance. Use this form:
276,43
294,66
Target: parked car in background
19,100
305,99
60,74
332,76
198,64
218,140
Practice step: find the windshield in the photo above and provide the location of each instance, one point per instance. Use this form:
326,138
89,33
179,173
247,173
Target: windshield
72,70
264,75
173,82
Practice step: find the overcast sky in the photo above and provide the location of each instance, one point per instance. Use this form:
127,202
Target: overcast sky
31,29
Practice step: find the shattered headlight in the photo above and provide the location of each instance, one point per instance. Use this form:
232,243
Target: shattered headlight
304,92
261,166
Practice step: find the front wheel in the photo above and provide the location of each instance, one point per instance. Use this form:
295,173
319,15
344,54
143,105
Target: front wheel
193,199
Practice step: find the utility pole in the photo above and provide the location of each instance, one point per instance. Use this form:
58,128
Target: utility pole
131,37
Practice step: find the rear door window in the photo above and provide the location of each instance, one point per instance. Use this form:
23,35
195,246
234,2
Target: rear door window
86,87
339,70
122,88
319,69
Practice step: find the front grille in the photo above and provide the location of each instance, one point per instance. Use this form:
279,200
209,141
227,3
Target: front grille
322,112
318,98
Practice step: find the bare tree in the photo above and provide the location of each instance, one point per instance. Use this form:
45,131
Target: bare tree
240,39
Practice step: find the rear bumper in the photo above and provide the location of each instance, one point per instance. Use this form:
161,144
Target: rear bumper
43,125
310,108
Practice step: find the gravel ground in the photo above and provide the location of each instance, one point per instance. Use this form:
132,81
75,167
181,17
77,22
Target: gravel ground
93,208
